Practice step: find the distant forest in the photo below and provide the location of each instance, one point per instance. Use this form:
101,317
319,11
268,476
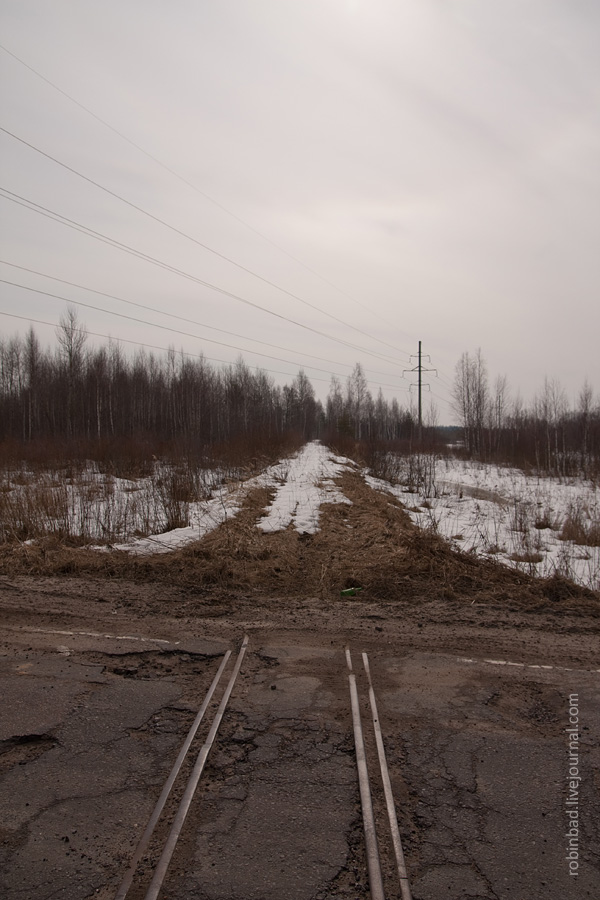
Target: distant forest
78,392
173,401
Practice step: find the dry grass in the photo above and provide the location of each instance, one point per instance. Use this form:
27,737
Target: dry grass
527,557
76,498
581,526
371,544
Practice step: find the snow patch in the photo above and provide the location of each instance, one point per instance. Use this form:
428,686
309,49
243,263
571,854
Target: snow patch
303,483
307,485
504,513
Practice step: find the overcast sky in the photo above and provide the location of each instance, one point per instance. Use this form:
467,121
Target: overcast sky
379,172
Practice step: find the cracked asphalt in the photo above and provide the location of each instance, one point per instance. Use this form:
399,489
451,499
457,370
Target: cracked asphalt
93,718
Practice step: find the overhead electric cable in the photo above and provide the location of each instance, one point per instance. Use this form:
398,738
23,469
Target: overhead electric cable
155,347
194,240
187,334
194,187
447,402
90,232
145,345
443,376
172,315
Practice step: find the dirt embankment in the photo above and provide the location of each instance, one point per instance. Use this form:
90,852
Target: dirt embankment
370,544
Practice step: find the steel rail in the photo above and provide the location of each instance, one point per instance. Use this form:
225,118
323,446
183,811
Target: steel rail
186,800
145,838
373,864
387,789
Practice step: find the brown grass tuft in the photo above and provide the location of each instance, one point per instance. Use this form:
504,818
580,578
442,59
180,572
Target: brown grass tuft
580,527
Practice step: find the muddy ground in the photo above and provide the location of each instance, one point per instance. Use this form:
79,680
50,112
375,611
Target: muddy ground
478,673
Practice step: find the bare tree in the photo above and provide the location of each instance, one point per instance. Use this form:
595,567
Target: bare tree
71,338
32,368
357,393
585,411
306,405
471,397
498,412
335,404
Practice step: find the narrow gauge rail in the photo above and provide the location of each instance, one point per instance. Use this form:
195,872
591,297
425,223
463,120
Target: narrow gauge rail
372,848
165,858
371,843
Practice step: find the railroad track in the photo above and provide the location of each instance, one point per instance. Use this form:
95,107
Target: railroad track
372,847
372,774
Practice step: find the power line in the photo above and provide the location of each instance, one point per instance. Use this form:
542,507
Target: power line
189,237
444,378
176,330
193,186
152,324
443,399
97,235
145,345
152,346
171,315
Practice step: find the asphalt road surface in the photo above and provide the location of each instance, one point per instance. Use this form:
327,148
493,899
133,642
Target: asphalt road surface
99,690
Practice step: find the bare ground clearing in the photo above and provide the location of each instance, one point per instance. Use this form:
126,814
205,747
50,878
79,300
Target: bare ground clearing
93,716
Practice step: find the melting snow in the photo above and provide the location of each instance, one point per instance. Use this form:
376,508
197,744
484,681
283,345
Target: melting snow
485,509
205,516
303,483
502,512
307,484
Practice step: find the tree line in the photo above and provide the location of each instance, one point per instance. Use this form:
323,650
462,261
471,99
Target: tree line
549,435
73,391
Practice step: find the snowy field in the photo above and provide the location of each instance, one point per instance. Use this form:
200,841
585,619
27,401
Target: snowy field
539,525
302,484
525,521
139,514
493,511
